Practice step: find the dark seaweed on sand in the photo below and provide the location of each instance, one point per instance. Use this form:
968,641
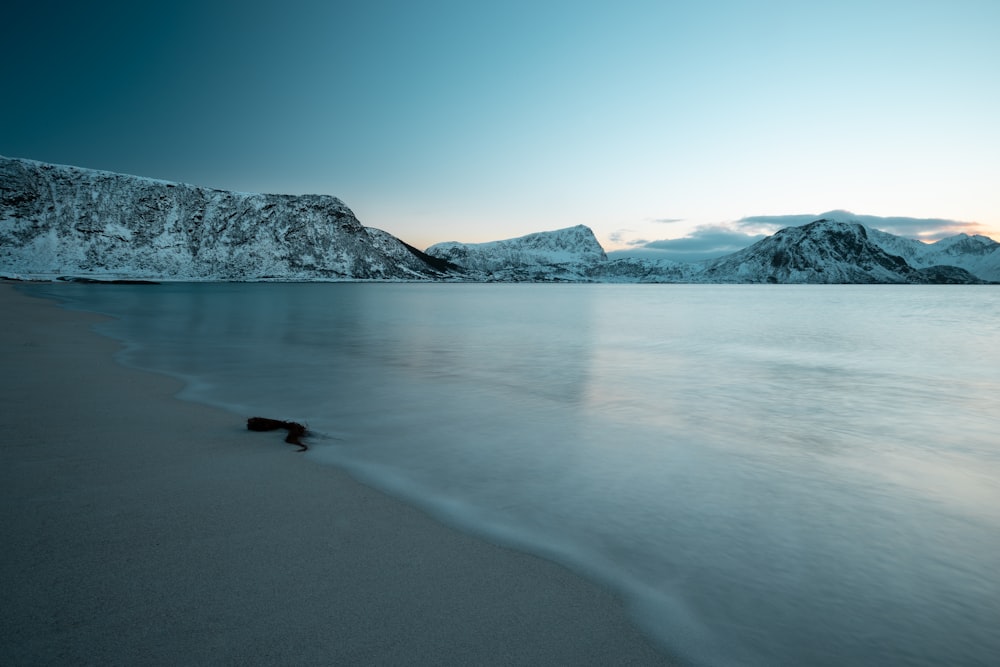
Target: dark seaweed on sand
295,430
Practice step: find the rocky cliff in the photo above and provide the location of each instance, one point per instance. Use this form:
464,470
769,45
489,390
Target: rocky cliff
57,220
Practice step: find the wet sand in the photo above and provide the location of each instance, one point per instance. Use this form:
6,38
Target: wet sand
137,529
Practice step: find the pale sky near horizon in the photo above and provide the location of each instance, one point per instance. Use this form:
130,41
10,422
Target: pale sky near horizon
472,121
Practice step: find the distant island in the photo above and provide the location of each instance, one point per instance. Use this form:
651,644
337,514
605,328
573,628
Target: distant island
82,224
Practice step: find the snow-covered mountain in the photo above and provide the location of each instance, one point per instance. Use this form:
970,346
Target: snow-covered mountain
58,220
979,255
564,254
824,251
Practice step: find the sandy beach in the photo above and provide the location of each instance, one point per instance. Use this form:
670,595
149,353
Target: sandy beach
138,529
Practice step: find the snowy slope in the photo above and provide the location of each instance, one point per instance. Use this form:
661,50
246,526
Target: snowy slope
640,270
824,251
979,255
57,220
564,254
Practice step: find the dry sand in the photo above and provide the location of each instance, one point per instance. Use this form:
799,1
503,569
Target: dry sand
138,529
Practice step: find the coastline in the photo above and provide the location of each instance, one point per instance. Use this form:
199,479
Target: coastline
141,529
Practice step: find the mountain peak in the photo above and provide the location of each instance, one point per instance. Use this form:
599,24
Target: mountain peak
839,215
561,254
823,251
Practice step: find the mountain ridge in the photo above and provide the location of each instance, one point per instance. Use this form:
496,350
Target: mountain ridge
57,219
824,252
60,220
565,254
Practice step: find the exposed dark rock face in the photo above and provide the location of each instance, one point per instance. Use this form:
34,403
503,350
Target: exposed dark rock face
947,275
977,254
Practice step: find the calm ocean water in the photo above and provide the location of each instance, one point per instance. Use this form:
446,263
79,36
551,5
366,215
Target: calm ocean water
776,475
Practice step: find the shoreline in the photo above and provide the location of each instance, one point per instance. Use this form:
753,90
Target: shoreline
142,529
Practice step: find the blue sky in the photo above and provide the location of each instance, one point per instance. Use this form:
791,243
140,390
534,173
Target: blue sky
473,121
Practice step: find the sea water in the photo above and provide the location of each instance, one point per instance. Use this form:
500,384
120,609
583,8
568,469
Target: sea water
776,475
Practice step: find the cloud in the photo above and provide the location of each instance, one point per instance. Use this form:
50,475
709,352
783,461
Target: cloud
927,229
772,223
711,241
668,220
619,238
706,242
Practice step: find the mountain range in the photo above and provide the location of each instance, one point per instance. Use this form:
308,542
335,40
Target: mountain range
59,221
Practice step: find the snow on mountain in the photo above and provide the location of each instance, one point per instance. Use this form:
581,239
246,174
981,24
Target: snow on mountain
979,255
824,251
641,270
564,254
57,220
